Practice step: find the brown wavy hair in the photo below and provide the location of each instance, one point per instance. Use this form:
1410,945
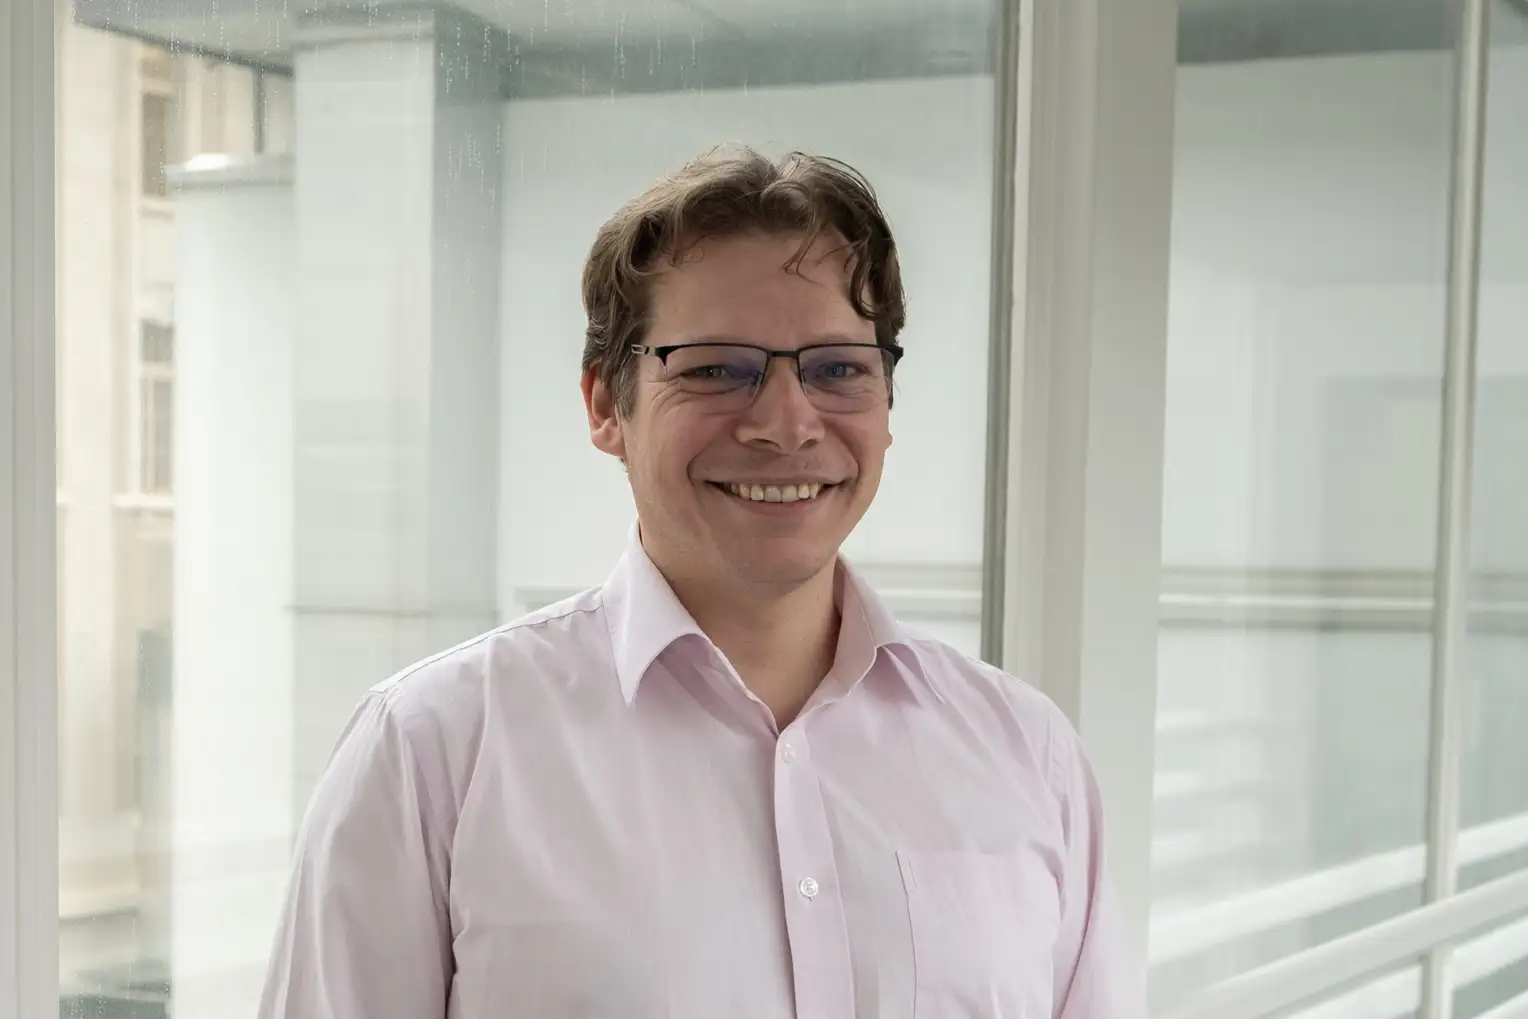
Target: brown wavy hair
726,192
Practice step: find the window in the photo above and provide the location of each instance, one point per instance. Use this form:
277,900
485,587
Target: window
156,143
366,391
1309,769
156,408
396,308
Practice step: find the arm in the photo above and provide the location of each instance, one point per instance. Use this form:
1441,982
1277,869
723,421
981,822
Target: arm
366,930
1097,975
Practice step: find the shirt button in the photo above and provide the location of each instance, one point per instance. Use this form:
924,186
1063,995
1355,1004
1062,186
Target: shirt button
807,888
787,752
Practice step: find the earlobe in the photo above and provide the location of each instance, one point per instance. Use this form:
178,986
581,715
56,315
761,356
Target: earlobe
604,423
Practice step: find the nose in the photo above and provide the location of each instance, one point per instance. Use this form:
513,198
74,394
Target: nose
781,417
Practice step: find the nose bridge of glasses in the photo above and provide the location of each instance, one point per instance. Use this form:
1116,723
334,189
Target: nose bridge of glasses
794,368
798,394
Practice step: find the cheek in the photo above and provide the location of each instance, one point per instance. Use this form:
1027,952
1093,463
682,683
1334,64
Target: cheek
675,440
869,443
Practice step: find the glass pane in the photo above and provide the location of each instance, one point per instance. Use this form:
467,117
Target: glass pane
1491,973
1305,354
371,444
1393,995
1494,800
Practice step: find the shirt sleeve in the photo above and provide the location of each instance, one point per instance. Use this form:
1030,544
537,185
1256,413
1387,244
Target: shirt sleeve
1097,975
365,930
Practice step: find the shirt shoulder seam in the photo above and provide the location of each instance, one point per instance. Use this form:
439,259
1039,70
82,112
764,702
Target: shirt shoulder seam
391,687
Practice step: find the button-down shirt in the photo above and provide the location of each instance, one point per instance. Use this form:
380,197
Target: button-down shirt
586,813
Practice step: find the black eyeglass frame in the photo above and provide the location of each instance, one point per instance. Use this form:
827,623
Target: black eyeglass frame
662,353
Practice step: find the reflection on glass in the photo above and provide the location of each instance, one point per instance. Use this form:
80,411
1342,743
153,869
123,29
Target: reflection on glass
1491,973
1304,365
1494,801
318,385
1393,995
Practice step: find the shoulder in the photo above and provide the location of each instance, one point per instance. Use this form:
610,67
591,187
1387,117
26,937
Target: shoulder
1002,703
440,703
537,638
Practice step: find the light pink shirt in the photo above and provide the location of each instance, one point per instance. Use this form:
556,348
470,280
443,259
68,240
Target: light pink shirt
586,814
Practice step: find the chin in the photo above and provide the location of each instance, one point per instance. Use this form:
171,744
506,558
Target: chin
784,567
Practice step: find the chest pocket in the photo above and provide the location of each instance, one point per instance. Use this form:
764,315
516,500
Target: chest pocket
983,931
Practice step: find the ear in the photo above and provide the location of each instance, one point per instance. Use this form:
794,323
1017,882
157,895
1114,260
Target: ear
604,425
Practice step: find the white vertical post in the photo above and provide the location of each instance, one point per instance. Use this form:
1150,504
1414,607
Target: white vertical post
1451,579
28,742
1082,540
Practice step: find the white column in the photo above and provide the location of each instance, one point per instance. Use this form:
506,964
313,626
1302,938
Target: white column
398,148
231,829
1082,514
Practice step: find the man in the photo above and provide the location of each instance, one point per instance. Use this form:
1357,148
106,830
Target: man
726,783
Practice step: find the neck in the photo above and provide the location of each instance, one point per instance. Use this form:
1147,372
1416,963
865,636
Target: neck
781,643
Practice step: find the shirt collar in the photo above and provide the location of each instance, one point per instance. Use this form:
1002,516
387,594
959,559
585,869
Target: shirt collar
645,617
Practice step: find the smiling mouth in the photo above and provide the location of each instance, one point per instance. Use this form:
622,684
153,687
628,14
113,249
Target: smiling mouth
804,492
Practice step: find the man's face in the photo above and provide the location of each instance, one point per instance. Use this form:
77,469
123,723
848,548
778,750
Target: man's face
685,457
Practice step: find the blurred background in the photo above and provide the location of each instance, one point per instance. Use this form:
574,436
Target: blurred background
319,331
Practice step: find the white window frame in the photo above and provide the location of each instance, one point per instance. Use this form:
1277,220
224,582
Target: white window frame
1074,497
28,708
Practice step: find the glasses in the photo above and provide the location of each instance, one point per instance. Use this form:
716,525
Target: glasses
836,377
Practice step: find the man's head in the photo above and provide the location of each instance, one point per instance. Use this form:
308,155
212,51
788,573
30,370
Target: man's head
746,467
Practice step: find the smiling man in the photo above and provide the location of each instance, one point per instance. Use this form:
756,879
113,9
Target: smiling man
726,783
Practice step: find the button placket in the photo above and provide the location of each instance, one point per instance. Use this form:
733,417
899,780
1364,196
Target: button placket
814,910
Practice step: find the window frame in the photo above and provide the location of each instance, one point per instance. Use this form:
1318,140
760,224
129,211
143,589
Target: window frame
28,498
1083,161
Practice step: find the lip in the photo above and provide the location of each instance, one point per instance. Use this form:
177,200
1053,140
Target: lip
800,480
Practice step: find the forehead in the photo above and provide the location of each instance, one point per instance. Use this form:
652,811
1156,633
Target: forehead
750,286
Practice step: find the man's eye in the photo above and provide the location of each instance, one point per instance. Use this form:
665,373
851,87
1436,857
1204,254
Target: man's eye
720,373
840,370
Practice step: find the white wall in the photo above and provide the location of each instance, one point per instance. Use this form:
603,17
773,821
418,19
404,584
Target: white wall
925,145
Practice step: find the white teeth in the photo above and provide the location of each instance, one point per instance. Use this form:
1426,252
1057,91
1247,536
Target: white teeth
775,493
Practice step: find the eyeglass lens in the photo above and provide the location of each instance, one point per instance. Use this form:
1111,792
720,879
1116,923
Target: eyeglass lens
834,377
